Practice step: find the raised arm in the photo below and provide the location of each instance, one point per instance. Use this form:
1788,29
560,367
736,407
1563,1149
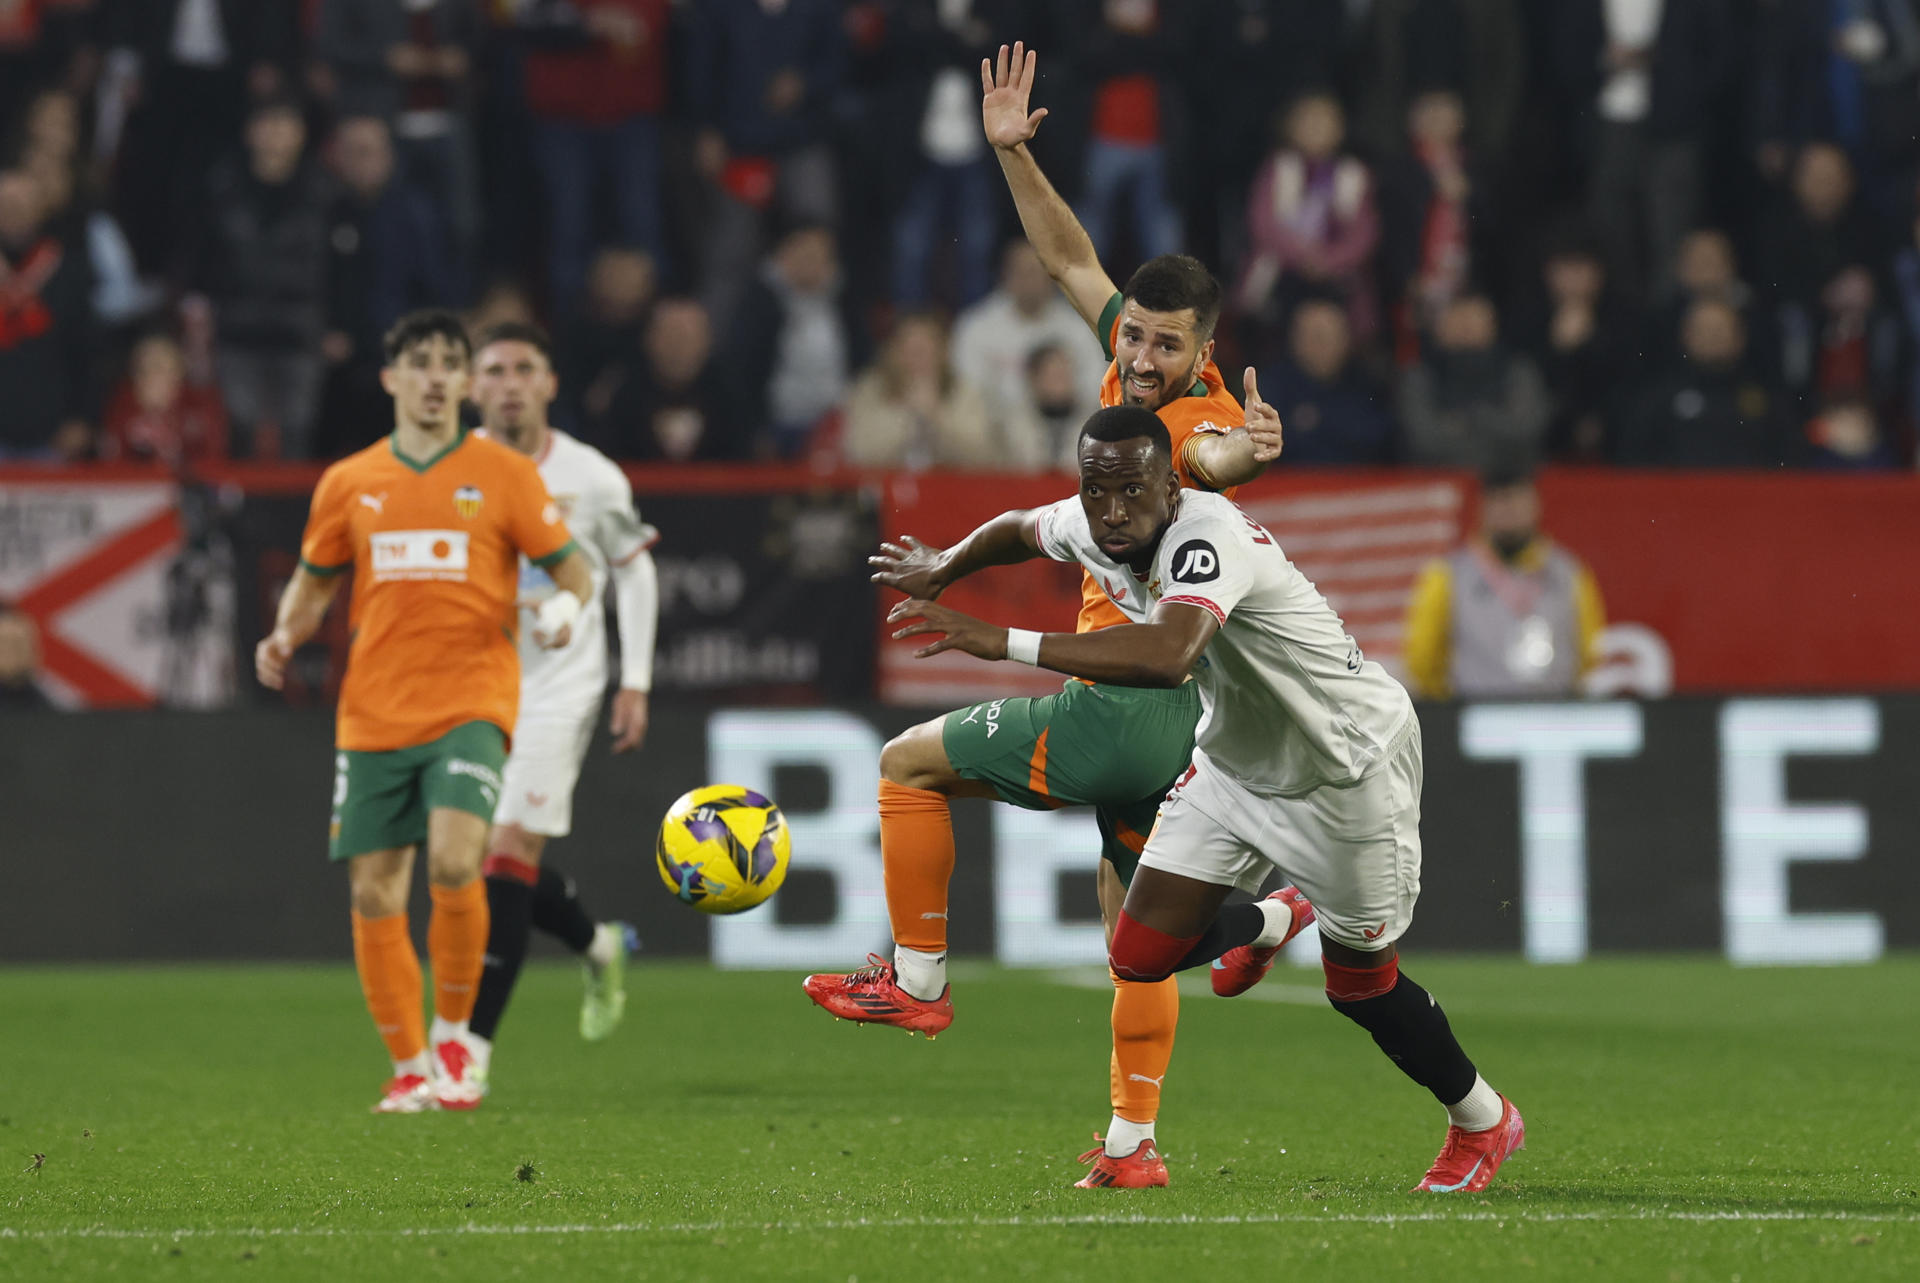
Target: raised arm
1049,224
1222,460
921,570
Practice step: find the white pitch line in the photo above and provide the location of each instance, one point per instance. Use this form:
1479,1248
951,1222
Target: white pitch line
1519,1216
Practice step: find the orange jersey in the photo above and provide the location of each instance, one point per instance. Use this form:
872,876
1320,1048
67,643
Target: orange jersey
1206,408
435,550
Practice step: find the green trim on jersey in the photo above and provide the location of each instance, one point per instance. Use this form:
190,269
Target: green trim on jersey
325,572
1104,332
381,800
557,556
1116,748
393,444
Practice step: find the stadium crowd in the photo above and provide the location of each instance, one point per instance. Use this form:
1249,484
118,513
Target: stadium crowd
1638,232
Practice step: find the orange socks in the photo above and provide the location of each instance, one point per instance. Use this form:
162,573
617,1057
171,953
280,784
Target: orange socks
916,851
390,977
1144,1017
457,946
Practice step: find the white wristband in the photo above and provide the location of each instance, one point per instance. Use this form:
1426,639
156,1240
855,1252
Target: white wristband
1023,647
556,612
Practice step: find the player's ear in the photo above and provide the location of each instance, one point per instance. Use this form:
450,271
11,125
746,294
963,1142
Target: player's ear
386,381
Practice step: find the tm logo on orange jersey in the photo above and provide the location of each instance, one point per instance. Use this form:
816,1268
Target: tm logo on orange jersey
419,554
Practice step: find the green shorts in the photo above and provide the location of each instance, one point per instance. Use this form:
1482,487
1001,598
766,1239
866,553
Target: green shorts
1117,749
381,800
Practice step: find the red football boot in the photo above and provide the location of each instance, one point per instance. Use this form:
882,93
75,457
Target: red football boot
1468,1160
1242,967
872,996
1142,1169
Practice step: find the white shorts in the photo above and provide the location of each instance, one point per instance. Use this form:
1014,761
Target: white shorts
537,788
1354,851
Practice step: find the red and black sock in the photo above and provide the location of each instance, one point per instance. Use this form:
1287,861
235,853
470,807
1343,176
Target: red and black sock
510,889
557,911
1406,1023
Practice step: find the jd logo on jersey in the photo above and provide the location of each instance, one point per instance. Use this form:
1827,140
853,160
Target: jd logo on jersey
466,501
1195,562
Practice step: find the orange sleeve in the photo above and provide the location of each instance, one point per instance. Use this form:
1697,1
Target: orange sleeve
533,518
327,546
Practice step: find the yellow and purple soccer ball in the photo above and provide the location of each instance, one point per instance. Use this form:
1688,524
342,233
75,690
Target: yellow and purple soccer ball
723,848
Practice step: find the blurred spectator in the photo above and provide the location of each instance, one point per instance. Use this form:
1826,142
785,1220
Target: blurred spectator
1705,267
1332,412
910,410
1311,221
20,662
1711,410
1434,213
1847,435
1129,53
503,301
1471,400
1511,613
157,416
935,51
1580,336
45,330
995,339
761,79
181,74
1846,345
1841,71
40,45
1257,53
1649,77
1819,229
410,63
597,344
597,85
387,255
1473,49
795,341
1043,430
671,404
261,261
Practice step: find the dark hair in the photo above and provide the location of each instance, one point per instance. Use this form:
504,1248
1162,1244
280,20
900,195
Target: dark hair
1175,281
418,327
1129,423
516,332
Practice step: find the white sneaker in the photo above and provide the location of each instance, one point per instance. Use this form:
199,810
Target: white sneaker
406,1094
461,1082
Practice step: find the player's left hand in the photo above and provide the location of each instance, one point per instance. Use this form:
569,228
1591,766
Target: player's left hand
1263,423
629,722
911,566
962,632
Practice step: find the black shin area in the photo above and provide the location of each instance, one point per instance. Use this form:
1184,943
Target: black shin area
1233,926
557,911
510,915
1409,1026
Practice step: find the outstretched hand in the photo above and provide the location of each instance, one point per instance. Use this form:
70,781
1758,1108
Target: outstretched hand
1005,89
961,632
1263,423
913,567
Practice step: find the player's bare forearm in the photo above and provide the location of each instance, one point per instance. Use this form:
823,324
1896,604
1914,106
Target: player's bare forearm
1222,460
1056,235
1158,653
920,570
303,605
570,574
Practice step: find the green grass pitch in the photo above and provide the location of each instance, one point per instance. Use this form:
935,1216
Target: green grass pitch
1686,1121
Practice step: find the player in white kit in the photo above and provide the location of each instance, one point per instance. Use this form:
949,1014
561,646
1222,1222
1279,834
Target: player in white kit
560,697
1306,759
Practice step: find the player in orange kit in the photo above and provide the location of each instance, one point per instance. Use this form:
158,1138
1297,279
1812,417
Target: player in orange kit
1115,748
432,522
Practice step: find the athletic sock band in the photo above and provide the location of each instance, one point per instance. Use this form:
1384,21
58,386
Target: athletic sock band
1140,952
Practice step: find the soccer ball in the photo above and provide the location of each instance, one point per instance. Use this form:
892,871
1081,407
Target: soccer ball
723,848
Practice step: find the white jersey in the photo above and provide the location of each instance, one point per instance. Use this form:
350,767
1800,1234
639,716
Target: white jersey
1288,701
597,500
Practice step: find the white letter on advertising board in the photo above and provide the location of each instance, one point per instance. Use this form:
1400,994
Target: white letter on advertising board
744,747
1552,743
1031,849
1762,833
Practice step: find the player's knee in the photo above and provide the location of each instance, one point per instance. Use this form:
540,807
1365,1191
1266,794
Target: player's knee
1140,953
1366,977
915,759
379,897
514,841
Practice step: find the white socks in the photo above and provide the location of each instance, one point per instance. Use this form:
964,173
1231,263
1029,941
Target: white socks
606,942
1478,1110
446,1031
1279,916
924,975
1124,1137
420,1066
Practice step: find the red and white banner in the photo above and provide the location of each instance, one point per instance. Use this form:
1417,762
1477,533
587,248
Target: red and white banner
96,565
